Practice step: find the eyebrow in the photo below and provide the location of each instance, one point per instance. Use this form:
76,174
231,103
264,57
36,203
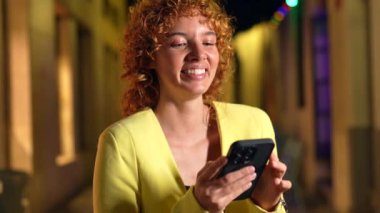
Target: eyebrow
184,34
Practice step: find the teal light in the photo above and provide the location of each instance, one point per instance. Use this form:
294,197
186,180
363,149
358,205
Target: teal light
292,3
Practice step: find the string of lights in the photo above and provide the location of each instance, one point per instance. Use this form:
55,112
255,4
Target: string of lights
282,12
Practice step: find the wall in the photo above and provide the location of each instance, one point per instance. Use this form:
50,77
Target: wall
3,105
354,45
53,183
249,46
375,84
20,92
297,100
351,105
305,130
93,38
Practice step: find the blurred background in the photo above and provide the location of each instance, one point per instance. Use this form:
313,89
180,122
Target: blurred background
313,65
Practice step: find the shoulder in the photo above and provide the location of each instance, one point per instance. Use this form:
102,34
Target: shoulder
239,111
252,122
125,131
130,123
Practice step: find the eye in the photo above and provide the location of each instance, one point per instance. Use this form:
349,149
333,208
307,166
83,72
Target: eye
178,45
209,43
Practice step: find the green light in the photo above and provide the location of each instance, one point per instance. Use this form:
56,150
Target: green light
292,3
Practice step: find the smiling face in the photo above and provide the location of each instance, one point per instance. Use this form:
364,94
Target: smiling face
187,61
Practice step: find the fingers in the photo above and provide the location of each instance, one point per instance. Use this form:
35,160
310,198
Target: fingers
286,185
216,193
238,174
271,185
273,157
277,167
237,182
282,185
236,178
278,171
211,169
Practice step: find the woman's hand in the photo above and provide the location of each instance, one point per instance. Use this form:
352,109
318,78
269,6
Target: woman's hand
270,187
213,193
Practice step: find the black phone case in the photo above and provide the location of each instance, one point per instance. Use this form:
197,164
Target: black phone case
255,152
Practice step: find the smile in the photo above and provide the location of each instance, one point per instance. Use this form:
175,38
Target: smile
194,71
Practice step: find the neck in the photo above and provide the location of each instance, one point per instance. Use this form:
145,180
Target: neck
180,119
186,113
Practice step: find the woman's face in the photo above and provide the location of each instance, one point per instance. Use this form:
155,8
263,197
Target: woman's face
187,61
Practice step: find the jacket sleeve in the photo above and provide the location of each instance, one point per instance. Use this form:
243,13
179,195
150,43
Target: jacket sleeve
267,130
188,203
253,208
115,183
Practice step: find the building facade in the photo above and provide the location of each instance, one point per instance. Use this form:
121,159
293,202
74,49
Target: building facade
60,86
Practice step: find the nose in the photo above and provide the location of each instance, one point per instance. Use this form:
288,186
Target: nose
197,52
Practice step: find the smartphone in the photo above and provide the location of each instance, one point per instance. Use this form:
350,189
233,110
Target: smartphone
242,153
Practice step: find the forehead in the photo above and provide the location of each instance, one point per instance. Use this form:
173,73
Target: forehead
189,23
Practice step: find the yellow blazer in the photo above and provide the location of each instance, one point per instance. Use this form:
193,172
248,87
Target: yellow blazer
135,170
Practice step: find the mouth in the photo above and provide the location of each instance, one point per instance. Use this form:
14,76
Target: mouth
194,71
194,74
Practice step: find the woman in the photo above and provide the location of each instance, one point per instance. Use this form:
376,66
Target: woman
166,154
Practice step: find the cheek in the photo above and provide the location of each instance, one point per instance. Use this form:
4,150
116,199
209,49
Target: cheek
215,58
172,58
214,54
165,61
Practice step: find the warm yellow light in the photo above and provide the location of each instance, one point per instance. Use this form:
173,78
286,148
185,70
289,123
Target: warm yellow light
249,46
66,113
66,97
21,125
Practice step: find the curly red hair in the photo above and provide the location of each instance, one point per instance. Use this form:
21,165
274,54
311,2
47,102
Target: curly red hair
150,21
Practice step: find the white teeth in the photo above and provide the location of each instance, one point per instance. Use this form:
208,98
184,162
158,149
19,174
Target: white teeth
195,71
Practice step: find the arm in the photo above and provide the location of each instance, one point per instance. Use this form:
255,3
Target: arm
269,192
115,181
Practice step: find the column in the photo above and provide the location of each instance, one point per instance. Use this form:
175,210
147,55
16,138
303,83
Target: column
351,114
20,90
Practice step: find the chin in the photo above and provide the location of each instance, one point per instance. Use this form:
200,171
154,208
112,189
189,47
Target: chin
199,89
